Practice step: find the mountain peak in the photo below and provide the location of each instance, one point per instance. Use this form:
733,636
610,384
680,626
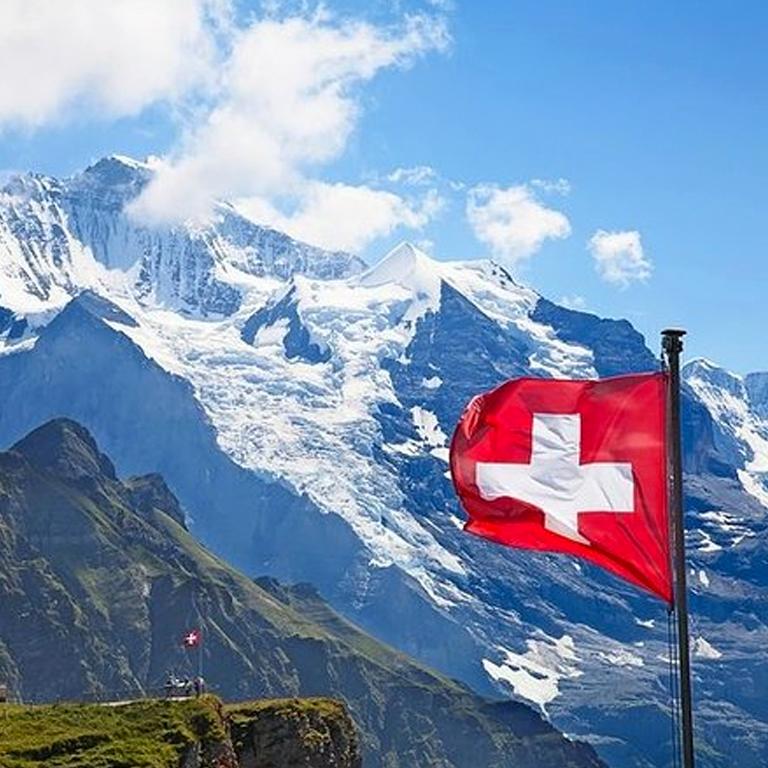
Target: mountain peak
116,172
150,492
102,308
67,449
116,160
130,162
702,369
58,234
405,265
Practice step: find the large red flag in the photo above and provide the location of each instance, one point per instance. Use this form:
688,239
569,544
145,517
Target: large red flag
571,466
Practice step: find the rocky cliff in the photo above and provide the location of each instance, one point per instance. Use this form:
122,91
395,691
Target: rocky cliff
293,732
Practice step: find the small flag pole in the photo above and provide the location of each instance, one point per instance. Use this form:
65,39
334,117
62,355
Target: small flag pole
200,657
672,345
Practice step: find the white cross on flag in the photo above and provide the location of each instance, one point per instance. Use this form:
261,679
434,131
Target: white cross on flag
192,639
571,466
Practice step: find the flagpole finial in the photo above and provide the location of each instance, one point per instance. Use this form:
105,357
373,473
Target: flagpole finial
672,339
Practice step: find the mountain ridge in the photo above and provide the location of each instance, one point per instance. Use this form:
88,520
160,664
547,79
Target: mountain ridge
113,587
84,237
312,448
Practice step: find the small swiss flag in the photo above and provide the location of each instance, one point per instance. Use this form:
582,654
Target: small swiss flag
192,639
571,466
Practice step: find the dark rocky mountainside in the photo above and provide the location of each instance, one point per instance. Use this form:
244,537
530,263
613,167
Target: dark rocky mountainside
99,580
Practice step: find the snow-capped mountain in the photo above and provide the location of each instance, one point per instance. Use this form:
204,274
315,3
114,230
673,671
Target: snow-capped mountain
59,237
740,407
300,406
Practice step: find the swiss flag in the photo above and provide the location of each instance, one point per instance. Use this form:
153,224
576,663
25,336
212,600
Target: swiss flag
571,466
192,639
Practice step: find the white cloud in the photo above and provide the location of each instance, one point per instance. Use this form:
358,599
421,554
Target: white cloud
287,103
573,301
426,245
101,59
415,176
512,222
556,186
342,216
262,104
619,257
6,174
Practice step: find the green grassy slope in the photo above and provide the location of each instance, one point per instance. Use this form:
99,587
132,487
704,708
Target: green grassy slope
169,734
150,734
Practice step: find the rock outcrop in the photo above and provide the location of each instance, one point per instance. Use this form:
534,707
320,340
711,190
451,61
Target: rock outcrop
293,733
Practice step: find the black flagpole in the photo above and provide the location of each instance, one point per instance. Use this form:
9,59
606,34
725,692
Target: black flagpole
672,344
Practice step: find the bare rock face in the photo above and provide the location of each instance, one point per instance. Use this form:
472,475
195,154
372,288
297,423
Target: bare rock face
210,754
294,733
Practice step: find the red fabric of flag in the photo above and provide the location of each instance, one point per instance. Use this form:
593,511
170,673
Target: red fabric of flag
578,467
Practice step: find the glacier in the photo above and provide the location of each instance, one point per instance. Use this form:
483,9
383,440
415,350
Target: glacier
300,403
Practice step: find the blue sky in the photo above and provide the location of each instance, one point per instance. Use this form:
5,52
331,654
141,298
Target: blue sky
654,113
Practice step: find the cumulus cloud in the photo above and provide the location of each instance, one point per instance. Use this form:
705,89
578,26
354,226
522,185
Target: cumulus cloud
512,221
619,257
287,103
263,103
105,59
343,216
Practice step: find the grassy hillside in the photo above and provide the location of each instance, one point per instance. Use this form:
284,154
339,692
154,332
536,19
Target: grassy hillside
151,734
99,580
169,734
